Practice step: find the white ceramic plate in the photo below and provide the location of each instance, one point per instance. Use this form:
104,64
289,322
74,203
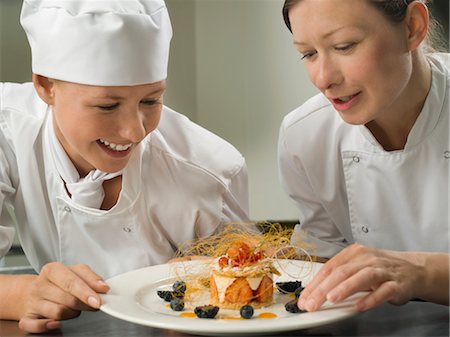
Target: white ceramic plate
133,298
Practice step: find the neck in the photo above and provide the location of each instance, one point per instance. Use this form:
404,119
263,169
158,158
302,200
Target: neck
112,190
392,129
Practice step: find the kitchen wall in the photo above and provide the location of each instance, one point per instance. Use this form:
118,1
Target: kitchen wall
236,57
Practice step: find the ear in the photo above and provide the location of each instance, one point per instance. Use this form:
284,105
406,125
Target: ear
417,22
45,88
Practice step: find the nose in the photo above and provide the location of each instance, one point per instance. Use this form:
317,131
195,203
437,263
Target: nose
132,126
326,73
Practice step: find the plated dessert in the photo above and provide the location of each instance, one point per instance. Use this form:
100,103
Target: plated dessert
238,277
244,275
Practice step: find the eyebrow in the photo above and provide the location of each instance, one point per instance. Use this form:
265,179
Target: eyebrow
323,37
113,97
121,98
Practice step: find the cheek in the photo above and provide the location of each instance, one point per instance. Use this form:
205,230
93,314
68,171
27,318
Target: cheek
76,128
313,71
311,74
387,60
67,111
387,75
64,122
152,122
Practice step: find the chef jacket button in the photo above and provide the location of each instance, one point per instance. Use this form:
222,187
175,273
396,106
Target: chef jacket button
67,209
365,229
447,154
356,159
127,229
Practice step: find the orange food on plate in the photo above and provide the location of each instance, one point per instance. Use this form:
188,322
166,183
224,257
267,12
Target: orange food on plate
244,275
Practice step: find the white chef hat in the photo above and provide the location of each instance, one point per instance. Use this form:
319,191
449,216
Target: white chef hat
98,42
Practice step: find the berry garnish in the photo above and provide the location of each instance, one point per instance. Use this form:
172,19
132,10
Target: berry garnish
292,307
177,304
298,291
206,311
246,311
179,286
288,287
168,295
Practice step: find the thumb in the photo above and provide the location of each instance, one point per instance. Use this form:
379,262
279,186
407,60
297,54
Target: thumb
35,324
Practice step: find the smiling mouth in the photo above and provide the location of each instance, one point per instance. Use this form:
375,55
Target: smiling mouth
115,147
345,99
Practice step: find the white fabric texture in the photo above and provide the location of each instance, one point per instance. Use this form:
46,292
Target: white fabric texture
182,182
87,191
106,43
349,189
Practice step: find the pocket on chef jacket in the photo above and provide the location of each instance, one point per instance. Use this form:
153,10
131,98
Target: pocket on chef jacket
398,200
108,242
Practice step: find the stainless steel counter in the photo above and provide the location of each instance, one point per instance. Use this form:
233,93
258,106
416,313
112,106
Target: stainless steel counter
412,319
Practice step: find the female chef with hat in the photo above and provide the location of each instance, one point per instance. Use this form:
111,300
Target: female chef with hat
367,160
97,177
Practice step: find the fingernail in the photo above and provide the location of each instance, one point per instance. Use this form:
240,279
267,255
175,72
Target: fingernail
93,302
53,325
102,283
310,305
301,303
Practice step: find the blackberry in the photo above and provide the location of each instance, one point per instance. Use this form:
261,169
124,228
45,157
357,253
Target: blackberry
177,294
206,311
179,286
298,291
292,307
288,287
168,295
247,311
177,304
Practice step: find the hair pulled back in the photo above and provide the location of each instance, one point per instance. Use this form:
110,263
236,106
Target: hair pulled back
394,11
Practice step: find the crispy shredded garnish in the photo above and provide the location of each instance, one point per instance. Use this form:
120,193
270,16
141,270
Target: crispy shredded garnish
271,240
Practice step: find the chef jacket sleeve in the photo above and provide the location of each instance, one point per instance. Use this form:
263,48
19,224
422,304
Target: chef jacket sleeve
231,206
7,191
316,231
235,205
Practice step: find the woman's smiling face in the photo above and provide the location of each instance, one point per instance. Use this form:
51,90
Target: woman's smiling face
99,127
357,58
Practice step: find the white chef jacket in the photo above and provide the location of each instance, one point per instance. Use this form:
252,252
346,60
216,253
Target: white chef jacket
181,183
349,189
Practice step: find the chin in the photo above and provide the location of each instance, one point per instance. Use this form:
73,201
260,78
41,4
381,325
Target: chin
111,168
353,119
